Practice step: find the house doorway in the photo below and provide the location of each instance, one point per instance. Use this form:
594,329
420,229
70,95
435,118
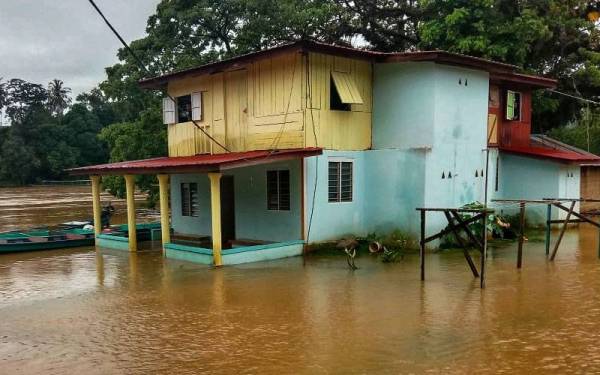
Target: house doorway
227,211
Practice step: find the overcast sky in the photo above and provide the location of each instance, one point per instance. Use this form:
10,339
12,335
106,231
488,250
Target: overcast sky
66,39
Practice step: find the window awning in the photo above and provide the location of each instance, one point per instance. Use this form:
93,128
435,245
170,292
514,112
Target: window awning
346,87
197,163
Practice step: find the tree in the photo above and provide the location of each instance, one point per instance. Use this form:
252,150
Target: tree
22,96
547,37
129,141
386,25
18,160
58,97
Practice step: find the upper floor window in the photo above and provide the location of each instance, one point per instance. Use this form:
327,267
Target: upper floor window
189,199
343,92
278,190
513,105
183,109
340,181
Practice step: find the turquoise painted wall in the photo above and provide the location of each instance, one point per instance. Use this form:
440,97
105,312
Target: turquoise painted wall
388,186
441,111
459,138
253,220
527,178
185,224
395,186
334,220
403,102
530,178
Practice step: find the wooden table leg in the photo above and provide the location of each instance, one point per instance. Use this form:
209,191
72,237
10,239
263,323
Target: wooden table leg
562,231
462,244
521,234
422,250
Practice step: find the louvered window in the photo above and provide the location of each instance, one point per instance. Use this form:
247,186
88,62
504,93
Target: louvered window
340,181
189,199
278,190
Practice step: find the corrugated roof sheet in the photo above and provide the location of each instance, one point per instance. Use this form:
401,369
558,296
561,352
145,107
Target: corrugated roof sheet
197,163
547,148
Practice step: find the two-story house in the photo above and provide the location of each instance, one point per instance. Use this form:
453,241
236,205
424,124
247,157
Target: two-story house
310,142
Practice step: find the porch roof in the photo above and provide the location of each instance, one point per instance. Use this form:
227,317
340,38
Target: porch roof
547,148
197,163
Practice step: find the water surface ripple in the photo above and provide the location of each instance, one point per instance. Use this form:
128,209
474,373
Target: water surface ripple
82,311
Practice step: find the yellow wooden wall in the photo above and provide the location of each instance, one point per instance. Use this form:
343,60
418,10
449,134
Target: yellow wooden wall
337,130
270,104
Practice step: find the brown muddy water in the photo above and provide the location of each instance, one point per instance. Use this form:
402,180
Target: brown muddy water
82,311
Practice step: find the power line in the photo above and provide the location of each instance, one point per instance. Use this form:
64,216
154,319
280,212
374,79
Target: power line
143,66
574,97
137,59
309,89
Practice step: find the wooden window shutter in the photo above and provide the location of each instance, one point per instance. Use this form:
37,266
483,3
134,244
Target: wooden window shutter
346,88
168,111
510,105
492,129
197,106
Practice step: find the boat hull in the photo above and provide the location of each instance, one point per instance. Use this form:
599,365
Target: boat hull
38,246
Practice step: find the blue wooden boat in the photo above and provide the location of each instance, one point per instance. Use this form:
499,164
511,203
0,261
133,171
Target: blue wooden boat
45,239
71,234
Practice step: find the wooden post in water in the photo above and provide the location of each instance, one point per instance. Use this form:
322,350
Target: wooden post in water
484,250
598,243
215,208
165,226
422,250
131,226
96,205
562,230
548,228
521,234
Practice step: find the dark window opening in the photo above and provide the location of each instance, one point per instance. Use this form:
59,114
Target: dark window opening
340,181
278,190
189,199
184,108
335,101
497,183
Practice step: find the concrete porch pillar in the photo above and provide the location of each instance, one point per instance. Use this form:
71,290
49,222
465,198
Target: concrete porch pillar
165,226
131,226
96,205
215,207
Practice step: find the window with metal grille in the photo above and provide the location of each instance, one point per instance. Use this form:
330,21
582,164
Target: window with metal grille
189,199
278,190
340,181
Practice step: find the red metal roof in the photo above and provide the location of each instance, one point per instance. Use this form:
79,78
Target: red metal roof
565,156
197,163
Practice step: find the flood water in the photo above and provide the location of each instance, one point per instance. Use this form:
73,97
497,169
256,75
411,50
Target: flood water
82,311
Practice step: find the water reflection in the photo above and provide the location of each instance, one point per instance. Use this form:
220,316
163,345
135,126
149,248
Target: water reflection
82,311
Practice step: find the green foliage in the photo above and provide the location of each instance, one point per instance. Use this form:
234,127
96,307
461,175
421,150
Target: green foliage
130,141
585,133
43,140
498,226
551,37
17,160
396,244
